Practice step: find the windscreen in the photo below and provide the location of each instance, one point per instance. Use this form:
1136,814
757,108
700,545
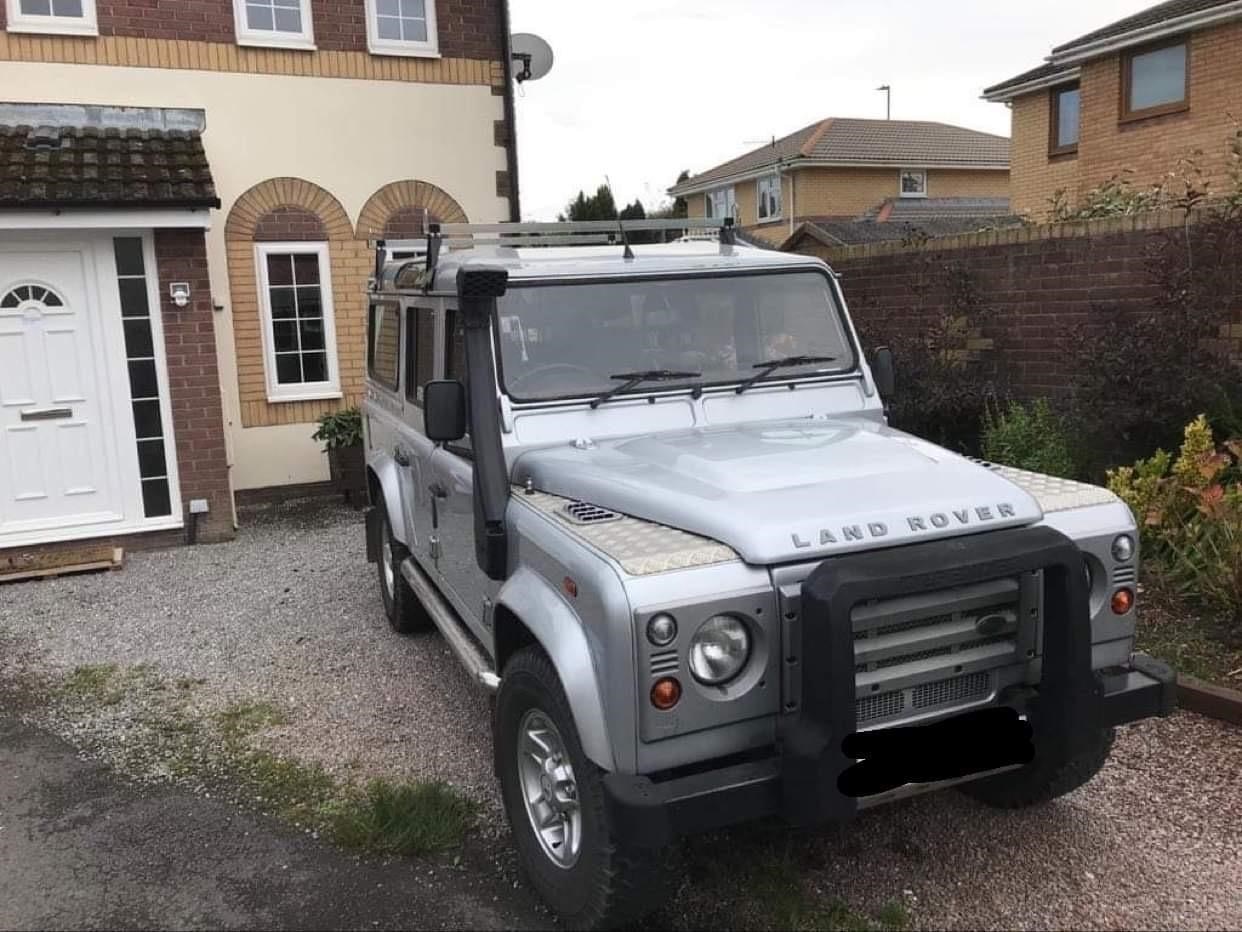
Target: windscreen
573,341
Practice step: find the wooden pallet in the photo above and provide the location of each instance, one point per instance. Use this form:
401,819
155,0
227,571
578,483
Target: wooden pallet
38,564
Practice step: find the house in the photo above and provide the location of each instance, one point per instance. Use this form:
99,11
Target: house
187,192
1130,99
842,168
899,219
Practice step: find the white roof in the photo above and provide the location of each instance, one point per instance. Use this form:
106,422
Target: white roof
610,262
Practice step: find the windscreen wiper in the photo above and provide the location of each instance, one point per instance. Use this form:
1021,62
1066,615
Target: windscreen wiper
636,378
773,364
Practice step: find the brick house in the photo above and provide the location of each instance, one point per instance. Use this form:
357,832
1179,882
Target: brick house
841,169
187,192
1133,97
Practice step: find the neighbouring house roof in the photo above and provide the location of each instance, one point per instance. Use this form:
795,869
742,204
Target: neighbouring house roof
76,166
1158,15
1147,25
1045,75
898,219
863,143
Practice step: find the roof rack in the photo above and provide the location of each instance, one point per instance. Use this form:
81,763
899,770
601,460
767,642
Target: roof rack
571,233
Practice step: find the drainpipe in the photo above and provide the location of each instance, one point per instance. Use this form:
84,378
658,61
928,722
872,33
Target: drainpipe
511,155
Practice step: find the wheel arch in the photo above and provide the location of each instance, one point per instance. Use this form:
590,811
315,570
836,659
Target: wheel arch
382,485
529,611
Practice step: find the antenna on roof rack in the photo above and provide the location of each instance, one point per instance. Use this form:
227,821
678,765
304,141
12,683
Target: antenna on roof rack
625,238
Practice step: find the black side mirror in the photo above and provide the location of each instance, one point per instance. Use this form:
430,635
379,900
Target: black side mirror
444,410
883,371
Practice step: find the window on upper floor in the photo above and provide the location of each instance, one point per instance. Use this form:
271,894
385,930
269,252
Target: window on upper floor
1064,119
1155,80
913,182
299,332
283,23
402,27
721,203
71,17
769,197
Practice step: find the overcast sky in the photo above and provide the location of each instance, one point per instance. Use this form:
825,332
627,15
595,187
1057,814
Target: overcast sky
645,88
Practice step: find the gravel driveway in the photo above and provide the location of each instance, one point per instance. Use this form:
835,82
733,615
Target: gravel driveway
289,613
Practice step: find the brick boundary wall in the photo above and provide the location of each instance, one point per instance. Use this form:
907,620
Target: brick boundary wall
194,381
1040,283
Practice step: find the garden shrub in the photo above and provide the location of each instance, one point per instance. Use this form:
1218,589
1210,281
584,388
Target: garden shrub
1027,437
1189,511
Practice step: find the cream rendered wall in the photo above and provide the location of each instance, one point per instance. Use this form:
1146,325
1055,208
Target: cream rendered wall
350,137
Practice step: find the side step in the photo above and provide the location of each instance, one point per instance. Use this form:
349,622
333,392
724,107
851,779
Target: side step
459,639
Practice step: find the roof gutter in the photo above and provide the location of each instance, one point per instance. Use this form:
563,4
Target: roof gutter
693,187
1172,27
1004,94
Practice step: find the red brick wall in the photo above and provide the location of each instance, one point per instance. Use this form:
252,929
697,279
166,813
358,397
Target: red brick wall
467,28
291,225
194,381
1041,286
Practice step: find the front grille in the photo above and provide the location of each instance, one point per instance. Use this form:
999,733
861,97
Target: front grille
959,689
938,651
1124,575
883,705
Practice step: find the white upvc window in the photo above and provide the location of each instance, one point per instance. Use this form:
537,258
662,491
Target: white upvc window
280,23
769,197
64,17
914,182
721,203
299,330
402,27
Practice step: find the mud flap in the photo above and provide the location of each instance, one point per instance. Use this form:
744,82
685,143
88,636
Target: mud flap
1066,712
374,526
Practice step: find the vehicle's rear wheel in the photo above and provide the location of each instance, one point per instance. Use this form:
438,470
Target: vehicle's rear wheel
1036,784
554,798
405,613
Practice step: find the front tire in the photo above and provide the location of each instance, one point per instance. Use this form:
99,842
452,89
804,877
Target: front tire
405,613
554,798
1034,784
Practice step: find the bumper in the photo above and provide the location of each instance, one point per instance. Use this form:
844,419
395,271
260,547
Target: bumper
651,814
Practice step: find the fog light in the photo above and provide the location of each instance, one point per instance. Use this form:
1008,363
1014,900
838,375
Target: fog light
1123,548
665,693
1123,601
661,630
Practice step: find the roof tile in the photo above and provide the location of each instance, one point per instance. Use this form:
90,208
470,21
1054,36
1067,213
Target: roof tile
67,166
911,143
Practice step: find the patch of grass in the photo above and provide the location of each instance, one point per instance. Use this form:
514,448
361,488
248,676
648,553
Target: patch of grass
761,880
1192,642
243,719
295,791
402,818
106,684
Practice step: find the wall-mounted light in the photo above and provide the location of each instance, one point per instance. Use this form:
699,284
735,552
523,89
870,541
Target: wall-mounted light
180,293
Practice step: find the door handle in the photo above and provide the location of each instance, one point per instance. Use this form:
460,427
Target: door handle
47,414
400,456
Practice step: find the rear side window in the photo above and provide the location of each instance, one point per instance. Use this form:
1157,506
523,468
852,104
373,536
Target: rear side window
420,351
384,345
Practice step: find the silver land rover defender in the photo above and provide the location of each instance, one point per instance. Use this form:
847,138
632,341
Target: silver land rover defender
649,497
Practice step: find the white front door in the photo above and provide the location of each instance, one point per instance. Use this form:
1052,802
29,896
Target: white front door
59,465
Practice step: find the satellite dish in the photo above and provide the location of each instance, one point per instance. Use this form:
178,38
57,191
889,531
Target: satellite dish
533,55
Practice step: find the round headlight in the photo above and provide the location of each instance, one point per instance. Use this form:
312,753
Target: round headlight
1123,548
661,630
719,650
